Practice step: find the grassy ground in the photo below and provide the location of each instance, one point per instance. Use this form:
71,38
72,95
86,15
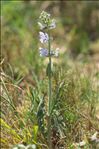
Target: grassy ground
75,116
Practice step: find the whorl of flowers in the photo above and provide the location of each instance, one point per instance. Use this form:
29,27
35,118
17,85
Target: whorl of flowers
44,52
46,23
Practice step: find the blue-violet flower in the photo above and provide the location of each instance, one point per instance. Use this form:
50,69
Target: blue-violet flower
43,37
45,53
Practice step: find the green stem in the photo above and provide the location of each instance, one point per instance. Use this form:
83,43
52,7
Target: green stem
49,76
49,96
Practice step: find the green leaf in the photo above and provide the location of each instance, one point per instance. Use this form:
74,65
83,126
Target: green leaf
40,115
48,71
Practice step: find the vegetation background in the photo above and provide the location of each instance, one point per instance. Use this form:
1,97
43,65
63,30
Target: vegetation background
75,73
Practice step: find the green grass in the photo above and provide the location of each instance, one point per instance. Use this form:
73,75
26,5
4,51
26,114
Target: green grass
24,116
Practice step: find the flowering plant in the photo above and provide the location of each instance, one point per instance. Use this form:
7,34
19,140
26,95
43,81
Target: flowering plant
46,24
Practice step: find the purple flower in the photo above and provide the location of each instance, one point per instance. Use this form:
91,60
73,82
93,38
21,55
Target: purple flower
45,53
43,37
